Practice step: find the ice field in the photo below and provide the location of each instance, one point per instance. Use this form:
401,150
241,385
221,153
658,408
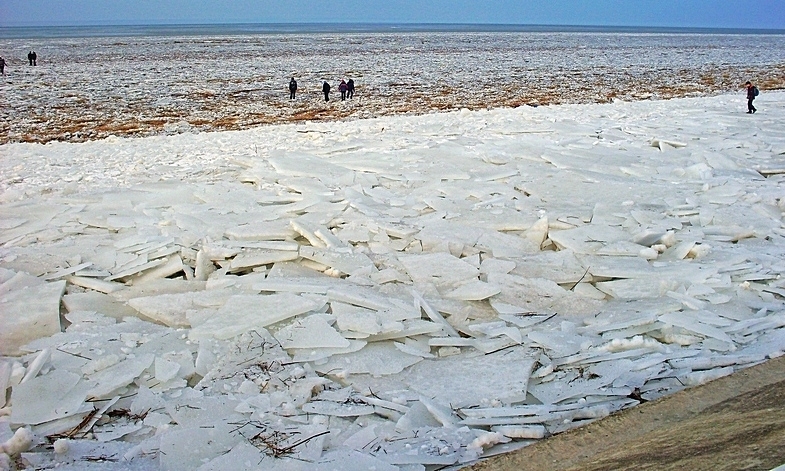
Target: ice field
397,293
85,88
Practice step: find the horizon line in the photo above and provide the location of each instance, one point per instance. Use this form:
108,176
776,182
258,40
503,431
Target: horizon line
414,25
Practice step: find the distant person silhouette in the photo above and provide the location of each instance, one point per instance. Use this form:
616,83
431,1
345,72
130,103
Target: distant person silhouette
752,92
343,88
292,88
350,89
30,57
2,66
326,90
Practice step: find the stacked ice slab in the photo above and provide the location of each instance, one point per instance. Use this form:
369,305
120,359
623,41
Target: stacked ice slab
407,294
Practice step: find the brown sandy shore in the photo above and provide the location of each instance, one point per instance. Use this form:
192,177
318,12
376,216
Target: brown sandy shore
733,423
55,106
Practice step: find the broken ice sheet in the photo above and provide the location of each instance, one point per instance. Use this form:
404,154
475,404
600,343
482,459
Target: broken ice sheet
189,447
463,381
651,287
337,409
244,313
116,430
350,460
28,312
587,239
376,359
300,164
67,271
344,262
242,456
441,269
558,266
309,333
553,392
250,258
561,343
496,329
539,295
687,320
429,446
355,318
98,302
119,375
48,397
474,291
318,354
171,309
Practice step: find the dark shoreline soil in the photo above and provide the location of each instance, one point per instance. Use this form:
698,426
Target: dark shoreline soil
733,423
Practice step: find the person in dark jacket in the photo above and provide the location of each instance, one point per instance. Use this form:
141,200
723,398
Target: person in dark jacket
2,66
30,57
326,90
350,90
292,88
343,88
751,93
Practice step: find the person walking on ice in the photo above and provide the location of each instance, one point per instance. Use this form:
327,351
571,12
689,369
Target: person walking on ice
326,90
752,92
2,66
292,88
350,88
343,88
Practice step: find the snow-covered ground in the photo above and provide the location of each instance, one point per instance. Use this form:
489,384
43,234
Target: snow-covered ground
88,88
399,293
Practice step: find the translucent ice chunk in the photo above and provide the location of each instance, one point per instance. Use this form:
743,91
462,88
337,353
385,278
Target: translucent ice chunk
310,332
474,291
29,313
463,380
337,409
376,359
47,397
441,269
244,313
119,375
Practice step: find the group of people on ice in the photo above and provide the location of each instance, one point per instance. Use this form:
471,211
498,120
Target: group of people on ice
32,57
345,87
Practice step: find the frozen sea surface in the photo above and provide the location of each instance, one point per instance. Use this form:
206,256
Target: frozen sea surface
87,88
402,293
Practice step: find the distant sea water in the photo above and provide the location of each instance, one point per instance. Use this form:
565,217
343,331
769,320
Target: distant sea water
29,32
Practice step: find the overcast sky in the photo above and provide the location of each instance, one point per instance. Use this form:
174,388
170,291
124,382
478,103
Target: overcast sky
756,14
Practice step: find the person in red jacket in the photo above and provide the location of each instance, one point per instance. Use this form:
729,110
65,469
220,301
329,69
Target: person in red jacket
343,88
752,92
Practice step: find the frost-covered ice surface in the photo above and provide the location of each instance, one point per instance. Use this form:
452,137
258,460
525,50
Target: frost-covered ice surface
88,88
401,293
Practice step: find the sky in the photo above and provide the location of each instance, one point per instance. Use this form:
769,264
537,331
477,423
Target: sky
751,14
